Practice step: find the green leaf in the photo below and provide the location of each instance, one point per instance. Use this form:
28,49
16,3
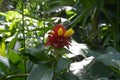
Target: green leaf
4,66
3,14
63,63
2,47
12,43
111,59
38,52
14,57
16,62
43,72
97,68
107,39
1,31
93,53
69,12
69,76
12,15
108,62
78,18
111,50
5,61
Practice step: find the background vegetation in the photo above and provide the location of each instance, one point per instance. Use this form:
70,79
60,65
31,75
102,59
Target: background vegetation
23,24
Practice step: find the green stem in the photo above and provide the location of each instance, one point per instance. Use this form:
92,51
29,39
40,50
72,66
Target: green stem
8,77
23,28
17,75
23,31
44,17
57,56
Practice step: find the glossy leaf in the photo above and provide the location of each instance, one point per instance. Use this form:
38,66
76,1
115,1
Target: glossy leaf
38,52
111,59
68,76
63,64
93,53
43,72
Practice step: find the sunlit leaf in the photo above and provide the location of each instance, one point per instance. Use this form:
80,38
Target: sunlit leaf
2,47
12,43
12,14
14,57
69,12
5,30
3,14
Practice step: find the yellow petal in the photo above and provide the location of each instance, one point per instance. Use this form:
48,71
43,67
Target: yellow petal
69,32
60,31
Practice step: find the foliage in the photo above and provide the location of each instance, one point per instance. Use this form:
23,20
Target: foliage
23,28
98,23
104,66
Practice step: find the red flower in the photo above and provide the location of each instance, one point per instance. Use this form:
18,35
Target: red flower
59,37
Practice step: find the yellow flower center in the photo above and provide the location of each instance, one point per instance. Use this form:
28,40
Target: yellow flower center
69,32
60,31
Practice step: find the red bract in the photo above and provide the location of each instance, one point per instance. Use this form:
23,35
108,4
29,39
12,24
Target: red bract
59,37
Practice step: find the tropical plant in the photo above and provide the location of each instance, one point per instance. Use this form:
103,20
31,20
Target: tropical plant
30,51
98,23
104,66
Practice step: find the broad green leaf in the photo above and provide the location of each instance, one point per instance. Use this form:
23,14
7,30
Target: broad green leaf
111,59
13,56
38,52
69,76
63,63
93,53
97,68
111,50
43,72
108,62
17,64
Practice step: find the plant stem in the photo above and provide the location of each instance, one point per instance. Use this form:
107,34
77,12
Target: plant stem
57,56
23,31
17,75
23,28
